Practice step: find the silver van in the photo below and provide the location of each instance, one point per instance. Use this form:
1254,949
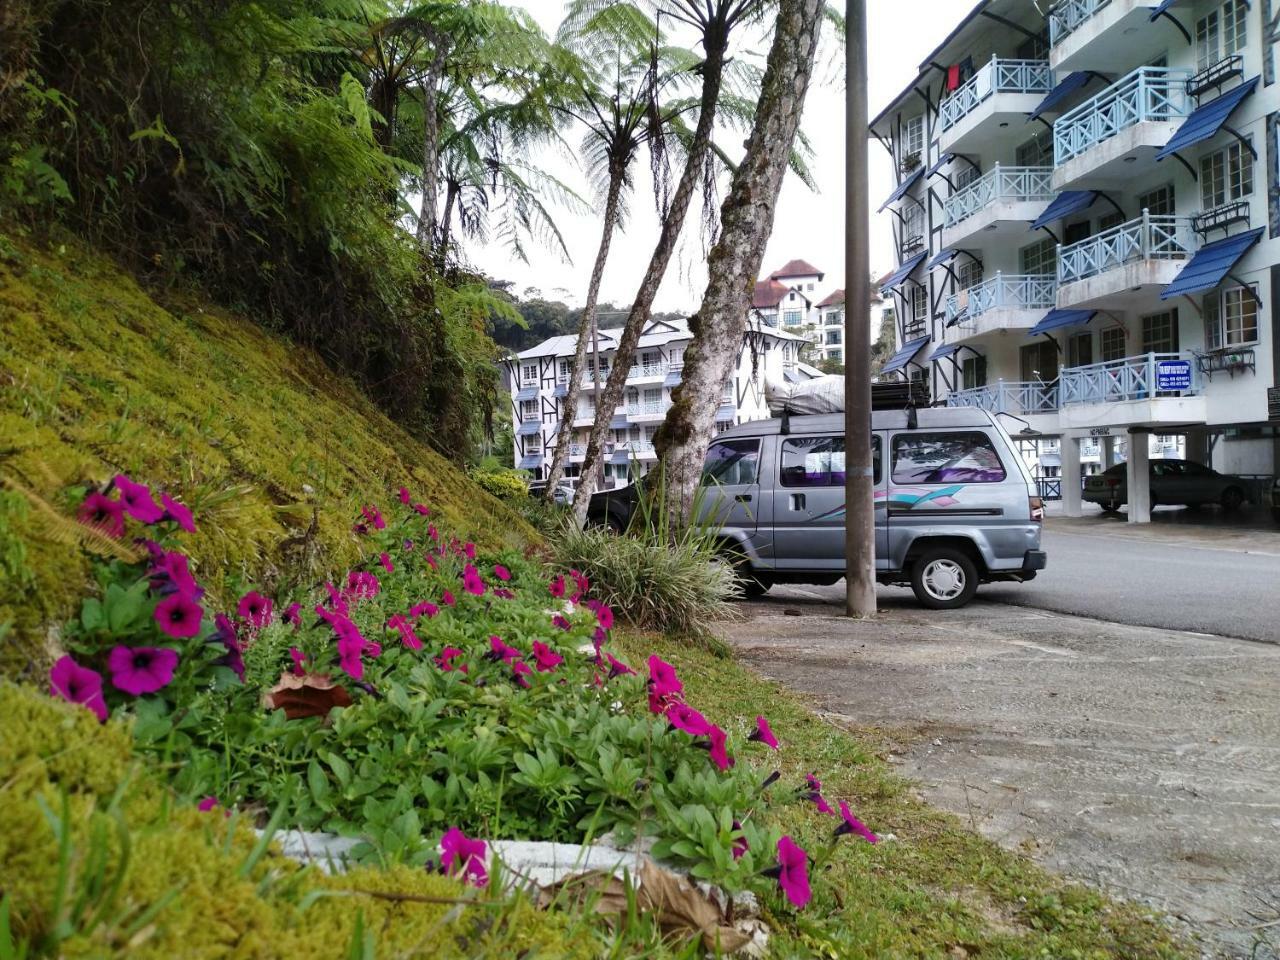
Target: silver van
955,505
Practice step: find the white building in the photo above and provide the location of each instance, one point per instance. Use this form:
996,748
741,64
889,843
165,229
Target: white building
793,300
539,379
1083,228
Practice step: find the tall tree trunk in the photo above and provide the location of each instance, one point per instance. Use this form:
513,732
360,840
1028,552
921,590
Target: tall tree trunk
586,326
451,191
638,318
430,148
746,220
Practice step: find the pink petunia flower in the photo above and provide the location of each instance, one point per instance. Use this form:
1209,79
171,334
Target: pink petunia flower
853,825
501,572
224,632
422,509
561,622
404,495
299,661
427,610
401,624
501,651
373,516
502,593
472,582
764,734
793,872
545,658
385,560
740,845
464,856
361,585
469,549
684,717
172,570
177,513
76,684
522,672
616,667
140,670
293,615
719,755
254,609
557,587
448,599
603,612
665,687
446,658
137,501
104,513
179,616
207,804
814,792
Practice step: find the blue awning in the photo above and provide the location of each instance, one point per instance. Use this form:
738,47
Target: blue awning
673,379
942,162
527,393
1057,319
905,355
531,462
944,351
1207,120
1065,88
726,413
903,187
942,256
1064,205
621,457
529,428
619,422
902,272
561,390
1211,264
1155,13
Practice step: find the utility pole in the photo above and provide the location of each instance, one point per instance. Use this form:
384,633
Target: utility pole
859,490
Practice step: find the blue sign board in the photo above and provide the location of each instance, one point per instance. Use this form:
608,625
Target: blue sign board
1173,375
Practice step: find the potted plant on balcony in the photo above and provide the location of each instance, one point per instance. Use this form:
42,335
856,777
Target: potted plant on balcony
909,162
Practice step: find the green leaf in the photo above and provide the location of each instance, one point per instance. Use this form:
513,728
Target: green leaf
318,784
341,769
91,614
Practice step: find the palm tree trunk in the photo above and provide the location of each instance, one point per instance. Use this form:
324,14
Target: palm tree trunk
638,317
451,191
586,327
430,149
746,220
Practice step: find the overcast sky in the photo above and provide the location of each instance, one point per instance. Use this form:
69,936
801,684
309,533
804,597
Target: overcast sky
809,225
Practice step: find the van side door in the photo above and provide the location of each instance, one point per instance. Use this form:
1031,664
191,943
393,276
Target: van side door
729,497
808,503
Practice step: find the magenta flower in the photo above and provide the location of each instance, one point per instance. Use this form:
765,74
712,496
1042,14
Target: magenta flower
351,646
603,612
76,684
469,549
432,532
764,734
374,517
404,495
136,498
337,602
500,651
557,587
471,581
545,658
460,855
139,670
446,658
719,755
401,624
581,583
793,872
616,667
665,687
361,585
293,615
502,593
178,513
853,825
179,616
255,609
501,572
521,671
299,661
104,513
560,622
427,610
207,804
422,509
814,793
740,845
224,632
684,717
171,573
448,599
385,560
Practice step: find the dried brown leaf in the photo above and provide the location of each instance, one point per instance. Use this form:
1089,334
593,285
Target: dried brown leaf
306,695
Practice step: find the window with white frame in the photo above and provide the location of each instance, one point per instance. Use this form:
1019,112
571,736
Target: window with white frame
1230,318
1226,175
919,310
529,375
533,444
1221,32
912,137
837,355
835,318
528,409
1112,343
1160,332
912,223
1158,202
565,364
970,274
791,318
833,337
1039,258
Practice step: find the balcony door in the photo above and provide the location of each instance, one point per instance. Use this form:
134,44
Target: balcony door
1039,362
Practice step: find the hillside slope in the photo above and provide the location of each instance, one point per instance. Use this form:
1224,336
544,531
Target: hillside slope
97,377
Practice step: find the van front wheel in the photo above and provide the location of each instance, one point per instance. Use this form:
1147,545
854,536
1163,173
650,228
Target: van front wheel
944,579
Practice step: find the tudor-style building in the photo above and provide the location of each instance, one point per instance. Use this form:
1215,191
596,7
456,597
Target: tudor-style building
1087,230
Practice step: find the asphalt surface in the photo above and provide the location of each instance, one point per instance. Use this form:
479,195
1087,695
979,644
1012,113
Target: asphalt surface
1201,579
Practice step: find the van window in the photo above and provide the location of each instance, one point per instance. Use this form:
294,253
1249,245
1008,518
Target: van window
925,457
818,461
731,463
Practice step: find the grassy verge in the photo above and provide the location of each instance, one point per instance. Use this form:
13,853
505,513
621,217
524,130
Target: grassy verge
936,889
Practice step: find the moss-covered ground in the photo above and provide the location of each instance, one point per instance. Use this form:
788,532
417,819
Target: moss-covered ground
257,435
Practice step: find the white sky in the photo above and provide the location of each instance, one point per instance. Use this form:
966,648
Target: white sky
809,225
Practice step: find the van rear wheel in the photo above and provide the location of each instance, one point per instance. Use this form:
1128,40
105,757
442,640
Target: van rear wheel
751,586
944,578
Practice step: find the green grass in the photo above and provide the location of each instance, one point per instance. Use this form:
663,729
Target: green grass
937,889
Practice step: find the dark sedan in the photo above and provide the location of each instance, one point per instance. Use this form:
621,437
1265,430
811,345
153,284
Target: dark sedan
1173,482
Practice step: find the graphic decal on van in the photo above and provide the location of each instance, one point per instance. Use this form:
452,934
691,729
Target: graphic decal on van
910,497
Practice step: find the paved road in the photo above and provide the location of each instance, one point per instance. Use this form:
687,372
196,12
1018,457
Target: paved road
1203,581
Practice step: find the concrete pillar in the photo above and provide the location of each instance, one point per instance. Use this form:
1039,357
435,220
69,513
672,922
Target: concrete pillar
1108,445
1071,503
1198,446
1138,478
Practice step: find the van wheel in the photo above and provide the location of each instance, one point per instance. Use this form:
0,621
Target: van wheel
1232,499
751,586
944,579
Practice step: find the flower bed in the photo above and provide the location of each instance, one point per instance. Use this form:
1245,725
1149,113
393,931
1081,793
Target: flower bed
435,694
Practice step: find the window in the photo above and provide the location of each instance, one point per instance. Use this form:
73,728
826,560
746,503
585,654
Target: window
533,444
923,457
652,395
833,338
973,372
835,317
731,463
1039,362
965,176
912,137
1109,220
919,306
1111,342
809,286
791,297
836,355
564,369
1160,333
1225,176
1239,317
1036,152
1075,232
819,461
1039,258
530,373
1080,350
912,224
970,274
1158,202
528,409
791,318
1221,33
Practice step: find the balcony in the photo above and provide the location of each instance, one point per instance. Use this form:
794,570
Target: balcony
1104,136
1115,268
1004,302
989,103
1019,399
655,370
1127,387
1097,34
999,203
648,410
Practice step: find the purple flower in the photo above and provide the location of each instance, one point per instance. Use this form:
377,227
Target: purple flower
853,825
255,609
665,687
422,509
500,651
560,622
136,498
104,513
207,804
545,658
793,872
469,549
173,568
462,855
684,717
374,517
299,661
405,497
448,599
557,587
501,572
139,670
178,513
521,671
361,585
764,734
76,684
719,755
813,791
616,667
401,624
446,658
293,615
427,610
179,616
224,632
603,612
740,845
385,560
472,581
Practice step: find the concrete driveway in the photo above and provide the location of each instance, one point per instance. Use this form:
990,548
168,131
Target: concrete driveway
1141,760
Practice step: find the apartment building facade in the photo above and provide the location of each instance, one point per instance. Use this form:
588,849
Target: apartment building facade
794,299
538,379
1087,227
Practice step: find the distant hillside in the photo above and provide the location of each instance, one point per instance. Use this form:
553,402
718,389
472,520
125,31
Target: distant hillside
96,378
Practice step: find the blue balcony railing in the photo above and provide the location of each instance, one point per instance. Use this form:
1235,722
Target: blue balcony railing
1146,94
1009,184
1130,378
1025,291
998,76
1068,16
1009,397
1145,238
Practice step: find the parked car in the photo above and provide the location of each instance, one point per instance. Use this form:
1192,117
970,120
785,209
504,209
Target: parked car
1172,482
563,494
956,507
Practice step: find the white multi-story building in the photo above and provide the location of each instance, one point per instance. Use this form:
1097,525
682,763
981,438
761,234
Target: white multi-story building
1086,223
539,379
791,299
